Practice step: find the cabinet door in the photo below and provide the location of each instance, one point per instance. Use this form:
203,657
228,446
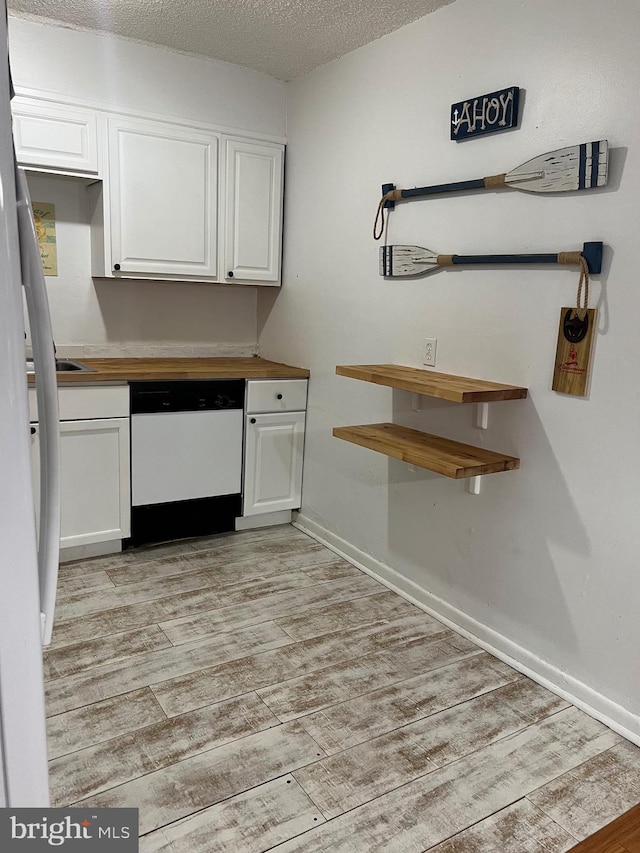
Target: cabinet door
273,462
163,200
253,210
95,480
55,137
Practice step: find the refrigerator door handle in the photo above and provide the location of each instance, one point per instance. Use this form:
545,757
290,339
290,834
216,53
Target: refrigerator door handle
47,396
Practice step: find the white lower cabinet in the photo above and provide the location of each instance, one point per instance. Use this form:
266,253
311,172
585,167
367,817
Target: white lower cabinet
273,445
95,468
95,481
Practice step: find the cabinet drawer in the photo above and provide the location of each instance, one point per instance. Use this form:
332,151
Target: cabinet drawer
276,395
55,137
111,401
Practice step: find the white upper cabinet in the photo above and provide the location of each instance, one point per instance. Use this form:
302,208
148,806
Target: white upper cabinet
152,191
55,137
253,211
162,210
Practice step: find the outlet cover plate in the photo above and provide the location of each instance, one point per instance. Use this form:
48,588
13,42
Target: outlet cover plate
429,352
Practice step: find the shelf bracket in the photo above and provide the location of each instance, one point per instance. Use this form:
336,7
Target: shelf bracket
474,484
416,402
482,415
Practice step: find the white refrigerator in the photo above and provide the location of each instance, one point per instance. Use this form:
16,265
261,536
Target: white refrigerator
28,558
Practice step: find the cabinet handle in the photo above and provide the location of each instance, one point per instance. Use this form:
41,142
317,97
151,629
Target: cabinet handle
279,396
230,274
253,420
33,430
116,266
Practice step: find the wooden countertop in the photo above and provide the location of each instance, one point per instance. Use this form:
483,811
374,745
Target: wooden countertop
150,369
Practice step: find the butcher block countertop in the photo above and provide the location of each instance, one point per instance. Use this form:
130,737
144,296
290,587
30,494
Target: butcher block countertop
149,369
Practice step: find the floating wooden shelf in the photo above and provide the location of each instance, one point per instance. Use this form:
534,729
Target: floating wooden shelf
450,458
433,452
457,389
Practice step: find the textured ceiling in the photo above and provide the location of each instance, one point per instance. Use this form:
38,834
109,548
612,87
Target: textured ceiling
282,38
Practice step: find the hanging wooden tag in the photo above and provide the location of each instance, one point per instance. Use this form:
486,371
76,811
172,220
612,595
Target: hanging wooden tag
573,353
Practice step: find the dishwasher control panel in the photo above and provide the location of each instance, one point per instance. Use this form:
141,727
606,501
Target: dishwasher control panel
186,395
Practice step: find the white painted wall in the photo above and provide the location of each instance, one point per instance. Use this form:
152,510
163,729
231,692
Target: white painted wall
133,75
122,74
543,566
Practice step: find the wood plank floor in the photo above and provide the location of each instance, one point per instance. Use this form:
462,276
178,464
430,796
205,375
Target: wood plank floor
253,692
620,836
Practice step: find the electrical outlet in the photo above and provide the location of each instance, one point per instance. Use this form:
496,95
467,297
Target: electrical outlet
429,352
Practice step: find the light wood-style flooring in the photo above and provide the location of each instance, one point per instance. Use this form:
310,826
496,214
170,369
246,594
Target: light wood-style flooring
253,691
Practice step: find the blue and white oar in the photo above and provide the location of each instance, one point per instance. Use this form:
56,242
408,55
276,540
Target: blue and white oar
402,261
579,167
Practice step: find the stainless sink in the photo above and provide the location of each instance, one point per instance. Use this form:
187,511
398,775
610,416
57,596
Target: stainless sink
65,365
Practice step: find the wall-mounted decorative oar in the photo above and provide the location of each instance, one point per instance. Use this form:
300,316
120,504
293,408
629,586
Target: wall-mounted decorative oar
400,261
578,167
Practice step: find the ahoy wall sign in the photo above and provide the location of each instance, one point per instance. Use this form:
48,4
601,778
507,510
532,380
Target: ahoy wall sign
485,114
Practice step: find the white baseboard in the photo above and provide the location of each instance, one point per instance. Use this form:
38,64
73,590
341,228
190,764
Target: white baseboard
266,519
613,715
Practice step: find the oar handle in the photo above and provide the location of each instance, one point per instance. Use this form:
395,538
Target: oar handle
490,182
591,252
455,260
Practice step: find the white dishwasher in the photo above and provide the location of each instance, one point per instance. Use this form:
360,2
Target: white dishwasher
186,458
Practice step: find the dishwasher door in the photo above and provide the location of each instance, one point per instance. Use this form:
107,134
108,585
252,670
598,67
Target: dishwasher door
179,456
186,458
